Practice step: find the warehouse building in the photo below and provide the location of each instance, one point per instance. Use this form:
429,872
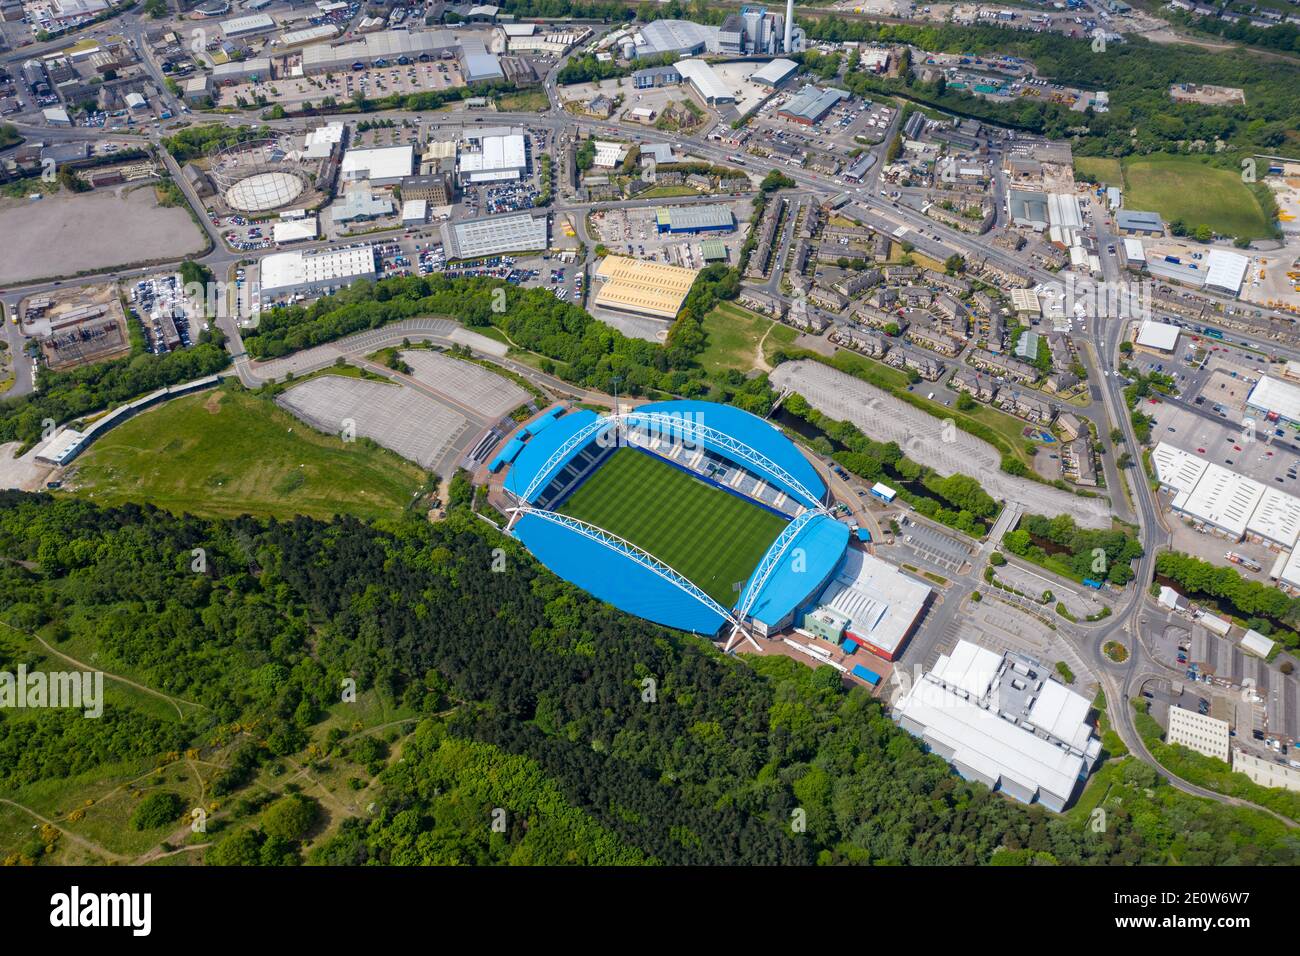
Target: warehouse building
646,288
250,25
1177,471
1276,519
477,65
502,156
879,603
775,73
1222,499
675,36
286,273
390,46
705,82
1275,399
293,38
1225,271
237,71
384,166
294,230
1156,336
495,235
810,104
1000,720
1134,223
693,219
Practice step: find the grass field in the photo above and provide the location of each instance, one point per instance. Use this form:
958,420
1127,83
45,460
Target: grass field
733,337
1183,187
1104,169
229,453
705,534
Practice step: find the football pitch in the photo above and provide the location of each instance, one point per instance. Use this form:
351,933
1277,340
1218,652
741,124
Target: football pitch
710,537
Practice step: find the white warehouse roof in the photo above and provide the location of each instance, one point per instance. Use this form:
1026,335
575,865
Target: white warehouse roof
387,162
1277,518
1225,270
291,270
881,602
294,230
1256,643
1133,249
252,23
1222,498
998,719
1158,335
1274,395
704,79
1177,469
775,72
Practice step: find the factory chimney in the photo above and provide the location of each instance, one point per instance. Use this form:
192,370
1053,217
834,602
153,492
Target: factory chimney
789,25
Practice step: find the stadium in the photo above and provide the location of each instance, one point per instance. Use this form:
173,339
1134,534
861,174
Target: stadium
691,514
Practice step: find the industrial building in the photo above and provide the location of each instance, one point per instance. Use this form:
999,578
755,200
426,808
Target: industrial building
705,82
294,230
293,38
494,235
1136,223
1177,471
383,166
1027,208
647,288
1230,503
694,219
1275,399
1222,499
435,189
1266,772
775,73
1225,271
415,212
1200,732
1000,720
502,156
673,36
879,604
286,273
477,65
810,104
394,46
1157,336
250,25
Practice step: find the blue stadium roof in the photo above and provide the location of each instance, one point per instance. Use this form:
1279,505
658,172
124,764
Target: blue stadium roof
540,447
613,577
804,569
752,431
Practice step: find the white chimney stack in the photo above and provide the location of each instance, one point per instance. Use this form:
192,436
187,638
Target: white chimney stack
789,25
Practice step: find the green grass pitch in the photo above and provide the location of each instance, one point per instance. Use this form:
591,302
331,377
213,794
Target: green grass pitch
710,537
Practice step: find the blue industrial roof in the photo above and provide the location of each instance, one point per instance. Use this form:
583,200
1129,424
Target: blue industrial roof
540,447
752,431
542,421
513,448
611,576
809,561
